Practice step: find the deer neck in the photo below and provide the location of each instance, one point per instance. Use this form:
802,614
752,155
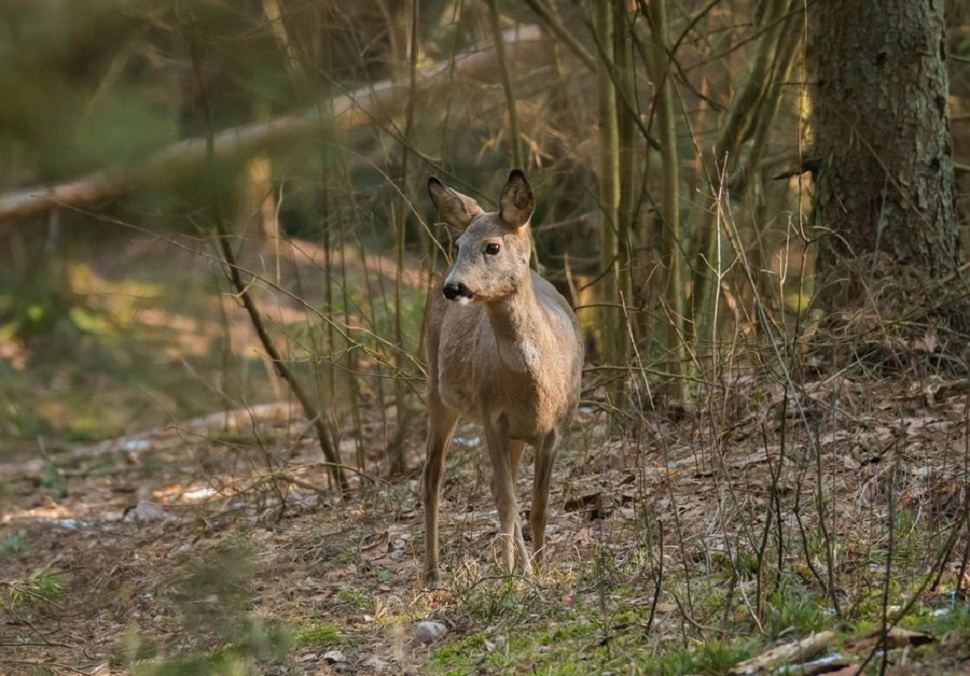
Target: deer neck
518,324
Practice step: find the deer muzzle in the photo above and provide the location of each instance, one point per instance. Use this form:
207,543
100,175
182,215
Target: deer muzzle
457,291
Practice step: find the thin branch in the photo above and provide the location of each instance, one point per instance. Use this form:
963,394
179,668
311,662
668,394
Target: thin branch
40,665
556,26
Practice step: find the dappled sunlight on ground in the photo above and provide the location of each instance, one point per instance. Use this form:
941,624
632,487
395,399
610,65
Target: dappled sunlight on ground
152,335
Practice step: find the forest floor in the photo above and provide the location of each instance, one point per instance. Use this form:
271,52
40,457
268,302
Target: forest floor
815,528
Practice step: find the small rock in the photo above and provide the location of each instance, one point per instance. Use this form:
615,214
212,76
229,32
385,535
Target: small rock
428,632
149,511
334,656
377,664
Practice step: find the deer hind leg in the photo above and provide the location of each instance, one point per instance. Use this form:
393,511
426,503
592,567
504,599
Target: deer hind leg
441,427
545,453
504,455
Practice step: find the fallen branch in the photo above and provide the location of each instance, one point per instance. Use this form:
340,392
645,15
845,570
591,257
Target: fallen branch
343,112
789,653
162,438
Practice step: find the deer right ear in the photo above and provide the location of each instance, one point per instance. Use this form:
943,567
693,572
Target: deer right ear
454,208
517,201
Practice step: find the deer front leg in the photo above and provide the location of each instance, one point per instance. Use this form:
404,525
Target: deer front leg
516,449
545,456
441,426
501,452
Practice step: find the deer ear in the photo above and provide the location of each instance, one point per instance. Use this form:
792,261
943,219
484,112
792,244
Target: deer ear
517,202
453,207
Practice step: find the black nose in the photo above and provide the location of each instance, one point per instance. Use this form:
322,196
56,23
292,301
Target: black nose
455,291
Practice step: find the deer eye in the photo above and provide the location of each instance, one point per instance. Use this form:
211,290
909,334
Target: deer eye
492,248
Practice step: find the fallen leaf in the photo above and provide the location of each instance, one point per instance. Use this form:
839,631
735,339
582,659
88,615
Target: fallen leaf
378,665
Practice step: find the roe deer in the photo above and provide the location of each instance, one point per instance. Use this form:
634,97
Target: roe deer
505,351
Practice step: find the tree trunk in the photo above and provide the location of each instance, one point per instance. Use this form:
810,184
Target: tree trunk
885,178
612,324
672,257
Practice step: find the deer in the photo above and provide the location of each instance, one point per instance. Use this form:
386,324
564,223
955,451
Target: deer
505,351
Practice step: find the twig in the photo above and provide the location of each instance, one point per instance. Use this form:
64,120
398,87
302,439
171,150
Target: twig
37,664
553,22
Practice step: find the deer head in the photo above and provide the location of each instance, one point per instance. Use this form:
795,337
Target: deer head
494,250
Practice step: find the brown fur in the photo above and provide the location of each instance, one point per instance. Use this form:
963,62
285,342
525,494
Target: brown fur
507,355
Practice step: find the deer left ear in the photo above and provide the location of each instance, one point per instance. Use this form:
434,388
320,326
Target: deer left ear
517,201
456,209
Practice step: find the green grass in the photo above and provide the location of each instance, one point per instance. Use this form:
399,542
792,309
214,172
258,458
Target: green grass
257,646
581,647
354,599
39,588
715,657
318,634
793,607
13,544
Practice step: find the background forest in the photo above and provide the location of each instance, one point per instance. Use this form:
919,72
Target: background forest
216,248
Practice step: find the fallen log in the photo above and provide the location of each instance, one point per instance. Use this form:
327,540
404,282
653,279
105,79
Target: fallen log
182,159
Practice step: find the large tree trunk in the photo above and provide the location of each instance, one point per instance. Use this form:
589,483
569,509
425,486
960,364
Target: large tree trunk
885,179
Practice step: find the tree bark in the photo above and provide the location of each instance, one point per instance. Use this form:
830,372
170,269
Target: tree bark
885,181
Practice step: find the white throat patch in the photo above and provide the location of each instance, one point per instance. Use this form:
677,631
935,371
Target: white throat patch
521,356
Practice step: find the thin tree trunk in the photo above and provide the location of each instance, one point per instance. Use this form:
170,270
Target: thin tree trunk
672,247
552,21
395,450
241,287
611,318
503,67
628,204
